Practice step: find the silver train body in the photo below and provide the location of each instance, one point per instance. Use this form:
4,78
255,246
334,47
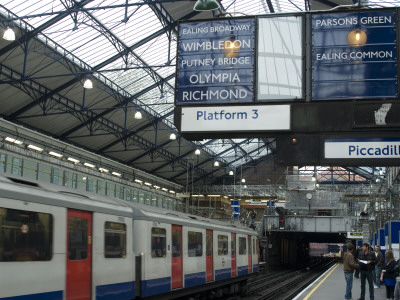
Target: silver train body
56,244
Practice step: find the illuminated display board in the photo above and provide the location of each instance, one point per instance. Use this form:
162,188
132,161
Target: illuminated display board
215,62
354,55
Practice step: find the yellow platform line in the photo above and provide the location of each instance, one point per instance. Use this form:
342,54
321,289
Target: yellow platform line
314,289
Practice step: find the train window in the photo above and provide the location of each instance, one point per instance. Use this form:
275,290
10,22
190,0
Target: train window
158,242
16,166
121,192
242,246
78,238
222,245
25,235
176,243
233,246
254,246
3,158
115,240
195,244
55,176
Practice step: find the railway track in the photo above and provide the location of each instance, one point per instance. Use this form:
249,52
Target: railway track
285,285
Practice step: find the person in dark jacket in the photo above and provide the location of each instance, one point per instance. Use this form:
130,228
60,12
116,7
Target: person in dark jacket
380,261
366,261
388,274
348,268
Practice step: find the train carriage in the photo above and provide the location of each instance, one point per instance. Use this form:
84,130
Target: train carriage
56,244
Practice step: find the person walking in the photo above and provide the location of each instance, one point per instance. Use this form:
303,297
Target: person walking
388,274
366,260
380,261
348,268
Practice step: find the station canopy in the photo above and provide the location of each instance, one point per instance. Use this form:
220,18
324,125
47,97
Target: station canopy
128,50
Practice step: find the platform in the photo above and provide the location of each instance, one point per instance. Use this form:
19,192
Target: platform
332,285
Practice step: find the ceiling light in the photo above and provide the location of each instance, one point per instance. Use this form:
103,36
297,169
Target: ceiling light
55,154
138,181
138,115
88,84
147,183
172,136
216,163
74,160
164,189
205,5
9,34
156,187
214,195
197,152
231,172
243,180
103,170
245,186
89,165
12,140
172,192
36,148
116,174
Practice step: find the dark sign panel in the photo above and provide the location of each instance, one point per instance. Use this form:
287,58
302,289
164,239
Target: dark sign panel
354,55
215,62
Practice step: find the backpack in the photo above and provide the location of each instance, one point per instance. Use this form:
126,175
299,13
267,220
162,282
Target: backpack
396,270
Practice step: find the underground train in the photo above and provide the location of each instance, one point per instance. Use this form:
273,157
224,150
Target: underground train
58,244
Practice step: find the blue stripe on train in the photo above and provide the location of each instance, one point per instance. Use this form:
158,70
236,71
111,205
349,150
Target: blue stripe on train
116,291
243,270
255,268
223,274
195,279
155,286
57,295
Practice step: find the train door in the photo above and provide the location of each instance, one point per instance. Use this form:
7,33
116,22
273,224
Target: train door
79,258
176,256
233,253
209,256
249,253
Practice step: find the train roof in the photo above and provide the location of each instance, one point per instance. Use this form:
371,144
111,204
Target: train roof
146,212
46,193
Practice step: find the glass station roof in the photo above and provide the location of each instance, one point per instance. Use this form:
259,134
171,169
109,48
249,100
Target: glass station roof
144,32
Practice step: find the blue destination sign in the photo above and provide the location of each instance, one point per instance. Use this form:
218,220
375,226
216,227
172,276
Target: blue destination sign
363,148
354,55
215,62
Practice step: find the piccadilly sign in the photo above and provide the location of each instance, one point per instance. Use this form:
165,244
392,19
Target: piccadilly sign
377,148
215,62
354,55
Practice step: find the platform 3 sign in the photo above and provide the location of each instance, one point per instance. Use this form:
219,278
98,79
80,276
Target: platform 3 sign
354,55
215,62
235,118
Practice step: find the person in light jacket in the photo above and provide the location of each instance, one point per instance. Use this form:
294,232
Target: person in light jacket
348,268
